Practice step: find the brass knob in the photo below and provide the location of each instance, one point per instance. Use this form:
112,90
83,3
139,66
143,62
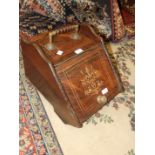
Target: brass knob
102,99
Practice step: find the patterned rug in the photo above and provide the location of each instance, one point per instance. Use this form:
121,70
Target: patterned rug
36,135
110,131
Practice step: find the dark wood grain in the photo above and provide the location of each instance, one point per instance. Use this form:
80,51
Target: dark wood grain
71,82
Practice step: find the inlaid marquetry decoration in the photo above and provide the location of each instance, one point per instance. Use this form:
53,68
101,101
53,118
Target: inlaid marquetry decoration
91,81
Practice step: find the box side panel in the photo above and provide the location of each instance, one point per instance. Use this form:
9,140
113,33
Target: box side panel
39,73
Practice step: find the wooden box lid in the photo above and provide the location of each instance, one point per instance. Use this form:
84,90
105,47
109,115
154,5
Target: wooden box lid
66,47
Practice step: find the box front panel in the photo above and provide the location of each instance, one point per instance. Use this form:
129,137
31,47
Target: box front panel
86,80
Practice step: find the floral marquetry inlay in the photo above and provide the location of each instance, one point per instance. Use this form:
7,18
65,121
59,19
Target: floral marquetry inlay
91,81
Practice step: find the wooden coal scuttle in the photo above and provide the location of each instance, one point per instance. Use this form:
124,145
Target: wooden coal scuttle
71,68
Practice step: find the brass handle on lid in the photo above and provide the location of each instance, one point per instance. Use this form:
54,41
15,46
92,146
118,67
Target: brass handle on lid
102,99
75,35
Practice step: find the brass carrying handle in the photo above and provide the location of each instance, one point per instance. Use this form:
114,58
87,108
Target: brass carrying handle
75,35
64,29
